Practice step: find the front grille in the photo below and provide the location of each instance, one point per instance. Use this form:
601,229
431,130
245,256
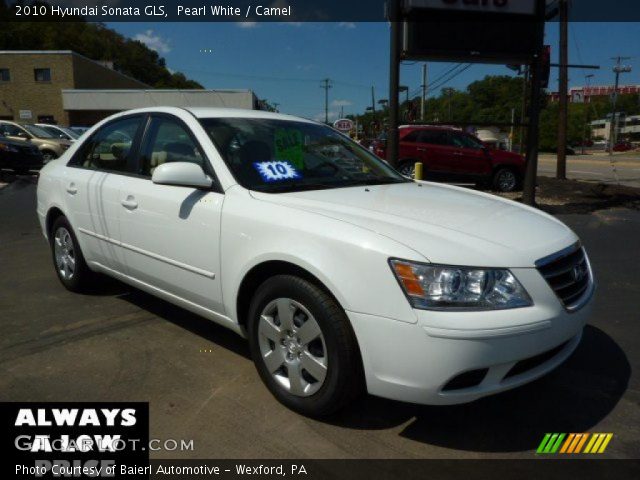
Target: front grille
568,274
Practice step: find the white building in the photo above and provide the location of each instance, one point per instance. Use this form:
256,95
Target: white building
92,106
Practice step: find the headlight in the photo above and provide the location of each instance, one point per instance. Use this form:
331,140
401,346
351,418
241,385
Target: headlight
438,287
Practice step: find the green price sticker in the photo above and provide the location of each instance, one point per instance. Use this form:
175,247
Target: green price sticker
289,147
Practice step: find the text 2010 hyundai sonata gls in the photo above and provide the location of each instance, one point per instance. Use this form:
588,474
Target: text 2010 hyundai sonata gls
342,273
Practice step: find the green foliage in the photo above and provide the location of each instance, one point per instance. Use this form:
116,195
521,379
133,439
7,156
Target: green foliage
95,41
493,99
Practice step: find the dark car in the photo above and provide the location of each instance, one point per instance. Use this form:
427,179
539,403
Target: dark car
623,147
448,154
19,157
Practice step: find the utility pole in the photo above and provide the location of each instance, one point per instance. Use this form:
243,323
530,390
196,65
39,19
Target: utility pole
618,69
512,133
587,79
373,101
523,113
449,93
394,81
529,193
424,92
561,169
326,84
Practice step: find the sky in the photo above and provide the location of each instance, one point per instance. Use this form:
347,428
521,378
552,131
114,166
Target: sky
286,63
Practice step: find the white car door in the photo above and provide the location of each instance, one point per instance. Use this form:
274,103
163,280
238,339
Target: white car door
171,234
92,190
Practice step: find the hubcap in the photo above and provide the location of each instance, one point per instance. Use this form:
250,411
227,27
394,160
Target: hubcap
64,253
507,181
292,347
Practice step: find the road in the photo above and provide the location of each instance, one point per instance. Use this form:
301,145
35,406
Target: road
596,168
119,344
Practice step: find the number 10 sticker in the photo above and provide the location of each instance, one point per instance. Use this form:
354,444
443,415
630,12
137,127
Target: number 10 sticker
276,171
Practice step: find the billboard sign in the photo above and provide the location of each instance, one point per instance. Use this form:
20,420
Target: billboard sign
519,7
473,31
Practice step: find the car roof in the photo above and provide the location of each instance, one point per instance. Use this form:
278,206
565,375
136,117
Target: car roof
431,127
211,112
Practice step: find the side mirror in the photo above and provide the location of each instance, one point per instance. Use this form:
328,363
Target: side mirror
181,174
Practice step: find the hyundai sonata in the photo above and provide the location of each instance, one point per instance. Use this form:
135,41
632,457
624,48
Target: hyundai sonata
343,274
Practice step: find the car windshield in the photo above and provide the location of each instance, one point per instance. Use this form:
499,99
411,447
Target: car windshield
38,132
61,132
277,156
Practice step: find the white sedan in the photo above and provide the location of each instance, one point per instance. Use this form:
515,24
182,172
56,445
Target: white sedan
343,274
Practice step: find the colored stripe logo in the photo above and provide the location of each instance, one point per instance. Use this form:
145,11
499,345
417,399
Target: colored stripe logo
574,443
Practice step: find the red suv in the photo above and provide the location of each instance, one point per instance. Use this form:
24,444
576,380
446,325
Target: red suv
452,155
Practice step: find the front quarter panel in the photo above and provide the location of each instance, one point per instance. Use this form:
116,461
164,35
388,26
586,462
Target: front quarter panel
350,261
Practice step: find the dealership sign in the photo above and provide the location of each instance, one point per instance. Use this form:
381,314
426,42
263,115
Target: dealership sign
343,125
520,7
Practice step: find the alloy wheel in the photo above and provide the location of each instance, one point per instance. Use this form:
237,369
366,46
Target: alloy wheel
507,181
292,347
65,253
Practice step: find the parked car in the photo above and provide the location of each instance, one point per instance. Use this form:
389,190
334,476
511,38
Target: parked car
50,146
60,132
79,130
342,273
623,147
18,156
448,154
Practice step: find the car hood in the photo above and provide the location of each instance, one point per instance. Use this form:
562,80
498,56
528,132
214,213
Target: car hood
506,156
445,224
13,143
57,141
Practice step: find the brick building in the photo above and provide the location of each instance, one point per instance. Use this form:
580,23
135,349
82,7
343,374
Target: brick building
31,83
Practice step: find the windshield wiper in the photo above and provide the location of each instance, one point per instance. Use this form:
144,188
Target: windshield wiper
297,187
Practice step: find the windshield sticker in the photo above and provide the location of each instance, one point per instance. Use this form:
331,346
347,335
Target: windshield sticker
276,171
289,146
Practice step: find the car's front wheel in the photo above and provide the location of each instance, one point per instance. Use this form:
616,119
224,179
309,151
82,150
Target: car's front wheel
68,260
303,346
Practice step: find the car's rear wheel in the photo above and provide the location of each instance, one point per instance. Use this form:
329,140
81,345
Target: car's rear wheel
71,268
303,346
505,180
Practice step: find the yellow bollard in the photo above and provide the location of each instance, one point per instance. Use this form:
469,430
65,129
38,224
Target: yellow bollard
418,171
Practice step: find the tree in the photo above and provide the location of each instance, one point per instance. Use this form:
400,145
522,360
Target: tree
94,41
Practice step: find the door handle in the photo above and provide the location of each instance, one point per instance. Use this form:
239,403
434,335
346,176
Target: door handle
458,154
72,189
421,149
130,203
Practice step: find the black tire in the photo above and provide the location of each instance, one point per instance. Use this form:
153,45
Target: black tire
82,276
48,155
506,180
344,379
407,168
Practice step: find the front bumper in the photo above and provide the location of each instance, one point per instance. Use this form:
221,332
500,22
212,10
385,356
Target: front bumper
418,362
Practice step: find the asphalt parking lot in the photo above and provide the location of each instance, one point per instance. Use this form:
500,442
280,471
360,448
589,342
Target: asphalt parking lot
119,344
